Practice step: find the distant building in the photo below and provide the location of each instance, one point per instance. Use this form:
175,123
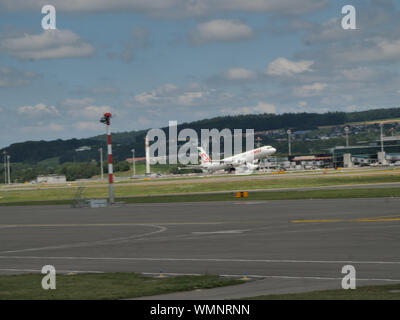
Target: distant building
83,148
314,161
301,132
368,153
130,160
52,178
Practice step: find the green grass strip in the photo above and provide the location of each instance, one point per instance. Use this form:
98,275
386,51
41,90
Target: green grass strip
276,195
103,286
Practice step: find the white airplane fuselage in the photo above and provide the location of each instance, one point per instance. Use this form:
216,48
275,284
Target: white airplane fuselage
245,159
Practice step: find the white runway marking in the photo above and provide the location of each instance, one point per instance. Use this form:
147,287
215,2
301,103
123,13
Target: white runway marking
72,225
205,260
220,232
62,271
93,243
250,202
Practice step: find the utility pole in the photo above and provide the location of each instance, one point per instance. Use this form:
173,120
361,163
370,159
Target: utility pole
346,129
101,164
147,148
5,167
289,132
8,170
133,162
106,119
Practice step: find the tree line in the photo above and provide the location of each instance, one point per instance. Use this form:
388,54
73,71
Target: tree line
33,152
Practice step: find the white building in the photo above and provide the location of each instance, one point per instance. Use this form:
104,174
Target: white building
52,178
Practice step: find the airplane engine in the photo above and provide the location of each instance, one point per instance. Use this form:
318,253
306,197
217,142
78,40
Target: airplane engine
251,166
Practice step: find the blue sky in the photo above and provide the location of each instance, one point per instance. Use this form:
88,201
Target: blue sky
157,60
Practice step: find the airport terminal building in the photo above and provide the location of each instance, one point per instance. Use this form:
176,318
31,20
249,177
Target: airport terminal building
369,154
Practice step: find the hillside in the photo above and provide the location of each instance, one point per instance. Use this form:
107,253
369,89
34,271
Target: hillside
62,151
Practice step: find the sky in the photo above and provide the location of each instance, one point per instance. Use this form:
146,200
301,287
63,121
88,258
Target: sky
153,61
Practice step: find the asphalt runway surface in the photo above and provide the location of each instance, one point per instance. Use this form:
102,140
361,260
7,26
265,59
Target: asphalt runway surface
291,246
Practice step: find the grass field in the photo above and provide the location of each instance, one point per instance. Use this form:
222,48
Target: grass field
103,286
112,286
141,169
158,187
278,195
388,292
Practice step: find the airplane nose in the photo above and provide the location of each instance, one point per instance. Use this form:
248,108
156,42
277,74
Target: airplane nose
273,150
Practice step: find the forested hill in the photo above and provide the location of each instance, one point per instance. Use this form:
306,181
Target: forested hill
124,142
296,121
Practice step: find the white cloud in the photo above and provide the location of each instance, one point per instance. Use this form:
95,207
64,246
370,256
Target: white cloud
303,104
77,102
38,110
264,108
51,44
285,67
10,77
221,30
310,90
90,5
169,8
239,74
370,50
55,127
190,98
96,111
88,125
85,108
281,6
359,74
352,108
90,112
327,31
261,107
42,127
374,20
101,89
155,96
169,94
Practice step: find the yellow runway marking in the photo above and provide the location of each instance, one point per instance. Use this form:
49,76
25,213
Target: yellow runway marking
380,217
376,220
310,221
371,219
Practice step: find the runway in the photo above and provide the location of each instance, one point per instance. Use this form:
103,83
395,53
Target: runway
300,243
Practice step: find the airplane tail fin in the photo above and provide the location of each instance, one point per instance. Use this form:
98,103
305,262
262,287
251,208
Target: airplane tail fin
203,155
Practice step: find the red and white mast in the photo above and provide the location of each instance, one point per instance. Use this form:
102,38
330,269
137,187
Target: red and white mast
106,119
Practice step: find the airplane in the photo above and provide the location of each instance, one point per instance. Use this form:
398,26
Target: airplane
242,162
